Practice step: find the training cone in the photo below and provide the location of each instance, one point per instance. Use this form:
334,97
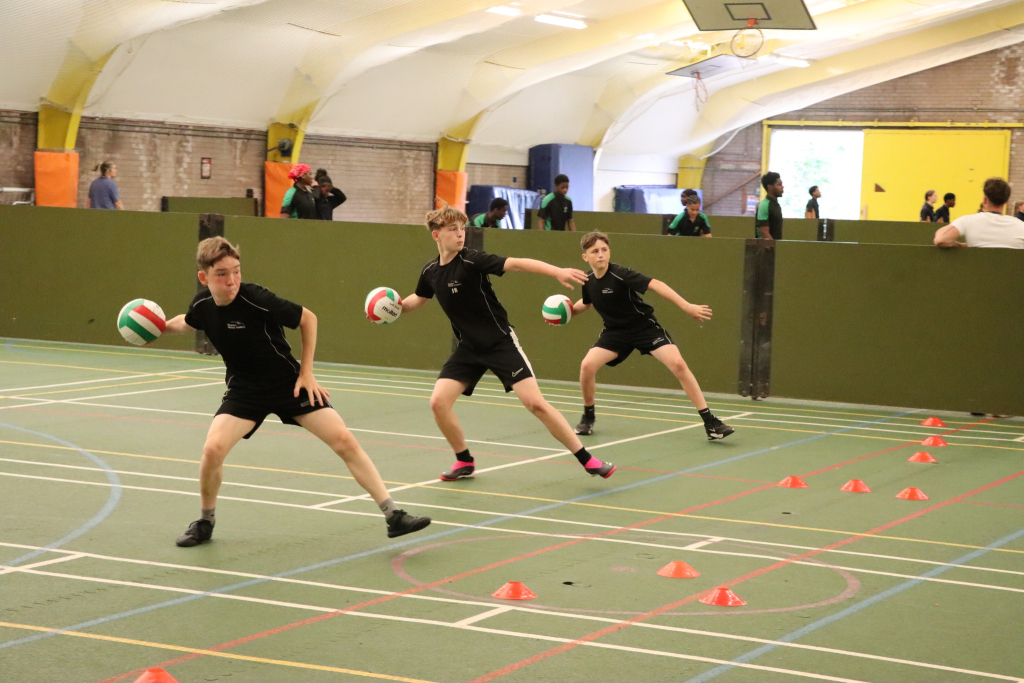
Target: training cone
513,590
678,570
912,493
855,486
794,483
921,456
933,422
723,597
934,442
156,676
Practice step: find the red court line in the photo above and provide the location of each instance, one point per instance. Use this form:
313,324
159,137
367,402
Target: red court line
1001,505
472,572
498,673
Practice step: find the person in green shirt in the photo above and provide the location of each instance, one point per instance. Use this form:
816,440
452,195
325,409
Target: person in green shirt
300,199
494,216
768,225
556,208
691,222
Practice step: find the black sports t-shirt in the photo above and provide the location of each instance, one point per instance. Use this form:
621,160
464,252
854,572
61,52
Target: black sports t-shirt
812,205
248,334
616,297
927,213
769,213
685,227
556,210
941,214
464,291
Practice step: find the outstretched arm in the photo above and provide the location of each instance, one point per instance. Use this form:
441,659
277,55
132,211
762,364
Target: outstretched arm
315,392
580,307
947,237
700,312
177,325
414,302
567,276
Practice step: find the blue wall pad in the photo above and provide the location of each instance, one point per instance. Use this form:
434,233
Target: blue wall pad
575,161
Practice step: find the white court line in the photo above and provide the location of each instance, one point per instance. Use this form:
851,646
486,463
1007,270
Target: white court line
101,379
466,624
44,402
701,544
44,563
1020,438
878,429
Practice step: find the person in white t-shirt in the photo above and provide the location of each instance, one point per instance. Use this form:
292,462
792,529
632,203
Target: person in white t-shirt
987,228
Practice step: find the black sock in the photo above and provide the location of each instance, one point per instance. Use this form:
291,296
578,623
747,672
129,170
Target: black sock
464,456
588,411
583,456
706,415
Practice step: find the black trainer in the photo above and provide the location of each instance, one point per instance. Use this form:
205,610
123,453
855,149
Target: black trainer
199,531
604,471
459,470
401,523
586,426
716,429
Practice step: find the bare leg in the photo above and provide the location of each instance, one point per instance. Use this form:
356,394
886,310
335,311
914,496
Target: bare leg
442,402
669,356
528,392
328,426
595,359
225,431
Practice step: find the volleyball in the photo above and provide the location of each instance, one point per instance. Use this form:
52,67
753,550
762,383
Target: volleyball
383,305
557,309
141,322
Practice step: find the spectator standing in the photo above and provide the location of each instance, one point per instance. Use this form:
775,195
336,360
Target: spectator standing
1018,211
812,206
495,214
942,213
556,208
691,222
103,192
300,200
329,197
768,224
927,212
990,228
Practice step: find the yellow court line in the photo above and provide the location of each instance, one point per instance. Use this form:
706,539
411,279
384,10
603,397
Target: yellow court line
212,653
115,353
531,498
100,387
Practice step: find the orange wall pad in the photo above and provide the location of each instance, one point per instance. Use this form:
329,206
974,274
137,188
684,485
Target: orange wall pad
56,179
451,187
275,183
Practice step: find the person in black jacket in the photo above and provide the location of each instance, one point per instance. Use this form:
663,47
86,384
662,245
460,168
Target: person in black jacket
329,198
300,199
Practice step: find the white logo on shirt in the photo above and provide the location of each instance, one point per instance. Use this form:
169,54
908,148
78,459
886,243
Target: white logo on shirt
517,372
235,325
455,284
607,291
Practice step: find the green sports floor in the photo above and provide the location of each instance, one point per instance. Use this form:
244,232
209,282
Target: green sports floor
98,462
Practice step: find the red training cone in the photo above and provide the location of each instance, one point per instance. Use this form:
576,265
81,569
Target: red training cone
156,676
792,482
855,486
678,570
723,597
912,493
513,590
921,456
934,442
933,422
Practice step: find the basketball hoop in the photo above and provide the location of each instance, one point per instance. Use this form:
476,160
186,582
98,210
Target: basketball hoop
748,41
700,92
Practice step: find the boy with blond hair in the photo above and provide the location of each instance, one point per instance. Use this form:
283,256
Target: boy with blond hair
459,278
629,323
245,322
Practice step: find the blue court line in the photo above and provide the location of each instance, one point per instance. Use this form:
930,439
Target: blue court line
112,500
431,537
853,609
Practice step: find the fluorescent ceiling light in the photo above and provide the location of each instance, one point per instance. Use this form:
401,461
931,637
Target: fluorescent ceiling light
505,11
647,37
560,21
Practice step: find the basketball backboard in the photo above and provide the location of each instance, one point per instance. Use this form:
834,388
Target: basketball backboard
719,64
726,15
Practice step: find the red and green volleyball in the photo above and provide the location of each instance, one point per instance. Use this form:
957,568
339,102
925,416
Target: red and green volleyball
557,309
383,306
141,322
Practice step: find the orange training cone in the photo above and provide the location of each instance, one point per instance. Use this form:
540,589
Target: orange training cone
794,483
678,570
513,590
723,597
922,456
156,676
934,442
912,493
933,422
855,486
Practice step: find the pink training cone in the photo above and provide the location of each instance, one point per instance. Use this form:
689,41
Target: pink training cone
678,570
793,482
156,676
855,486
933,422
514,590
922,456
723,597
912,493
934,442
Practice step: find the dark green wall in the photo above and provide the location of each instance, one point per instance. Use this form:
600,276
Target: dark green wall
885,232
743,227
900,325
226,206
702,271
637,223
66,273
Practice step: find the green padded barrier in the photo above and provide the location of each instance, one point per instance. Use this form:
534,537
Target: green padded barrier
330,267
606,221
900,326
885,232
226,206
702,271
66,273
803,229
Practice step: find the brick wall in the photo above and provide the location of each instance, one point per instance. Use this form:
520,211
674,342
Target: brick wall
497,174
986,87
17,144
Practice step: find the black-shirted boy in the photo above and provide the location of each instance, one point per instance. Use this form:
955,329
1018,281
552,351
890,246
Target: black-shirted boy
942,213
459,278
812,210
629,323
691,222
768,225
245,323
556,208
495,214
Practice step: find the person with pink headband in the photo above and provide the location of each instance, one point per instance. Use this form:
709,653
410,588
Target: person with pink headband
300,199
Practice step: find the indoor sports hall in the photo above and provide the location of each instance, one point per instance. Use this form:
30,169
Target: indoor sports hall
721,328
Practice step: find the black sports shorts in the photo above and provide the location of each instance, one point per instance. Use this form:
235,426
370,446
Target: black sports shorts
505,359
256,404
644,340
